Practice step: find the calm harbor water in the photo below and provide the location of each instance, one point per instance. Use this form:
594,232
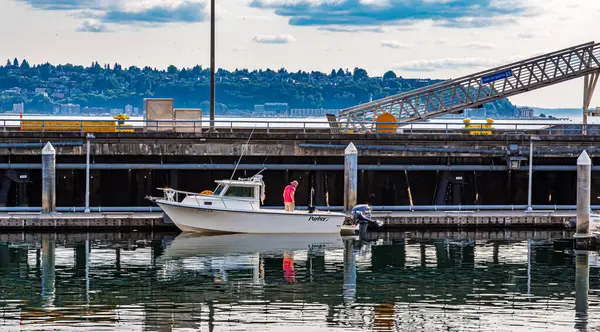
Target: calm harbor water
393,282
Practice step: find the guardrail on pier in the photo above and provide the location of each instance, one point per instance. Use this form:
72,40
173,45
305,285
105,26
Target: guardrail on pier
295,126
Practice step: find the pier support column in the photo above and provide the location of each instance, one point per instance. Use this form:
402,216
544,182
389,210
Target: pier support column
48,178
584,181
319,198
350,176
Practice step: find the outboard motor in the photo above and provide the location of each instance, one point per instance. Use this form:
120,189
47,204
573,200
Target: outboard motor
361,215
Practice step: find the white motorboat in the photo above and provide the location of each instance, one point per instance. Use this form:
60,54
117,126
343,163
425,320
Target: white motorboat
235,207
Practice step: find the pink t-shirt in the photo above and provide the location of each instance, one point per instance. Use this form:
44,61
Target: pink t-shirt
287,193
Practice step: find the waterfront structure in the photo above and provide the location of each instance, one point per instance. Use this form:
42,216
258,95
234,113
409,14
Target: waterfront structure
271,110
526,112
68,109
312,112
18,108
474,90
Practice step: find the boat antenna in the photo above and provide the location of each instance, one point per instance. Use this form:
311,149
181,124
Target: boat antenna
245,147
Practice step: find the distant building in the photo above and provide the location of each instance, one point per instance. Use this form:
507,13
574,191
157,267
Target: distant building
474,112
526,112
94,111
271,109
39,91
128,110
70,109
306,112
19,108
15,91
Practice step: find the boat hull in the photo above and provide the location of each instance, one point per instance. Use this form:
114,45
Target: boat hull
200,220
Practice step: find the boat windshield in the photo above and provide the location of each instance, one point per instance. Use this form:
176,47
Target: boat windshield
218,190
244,192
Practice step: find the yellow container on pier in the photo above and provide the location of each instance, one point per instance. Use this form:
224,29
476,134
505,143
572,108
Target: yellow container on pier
479,129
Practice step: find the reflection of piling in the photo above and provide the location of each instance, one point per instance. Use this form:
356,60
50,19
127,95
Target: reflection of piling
349,292
48,272
582,285
48,178
350,176
584,182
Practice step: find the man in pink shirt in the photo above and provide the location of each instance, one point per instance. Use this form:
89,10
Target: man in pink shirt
288,196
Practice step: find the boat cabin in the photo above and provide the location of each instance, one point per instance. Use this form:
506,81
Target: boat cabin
246,194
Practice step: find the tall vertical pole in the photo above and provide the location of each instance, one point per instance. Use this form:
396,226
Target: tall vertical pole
350,176
48,178
87,176
584,183
529,207
212,65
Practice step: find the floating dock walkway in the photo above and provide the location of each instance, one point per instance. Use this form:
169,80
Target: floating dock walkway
408,219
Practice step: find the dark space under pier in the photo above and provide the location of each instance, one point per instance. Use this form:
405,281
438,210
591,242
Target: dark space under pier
21,183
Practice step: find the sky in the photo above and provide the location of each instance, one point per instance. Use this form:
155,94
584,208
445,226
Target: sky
415,38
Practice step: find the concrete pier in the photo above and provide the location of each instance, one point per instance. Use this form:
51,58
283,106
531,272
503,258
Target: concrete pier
48,178
350,176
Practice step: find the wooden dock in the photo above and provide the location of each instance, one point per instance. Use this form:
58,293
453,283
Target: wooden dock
408,219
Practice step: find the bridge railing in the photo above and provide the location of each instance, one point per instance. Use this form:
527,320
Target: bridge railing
296,126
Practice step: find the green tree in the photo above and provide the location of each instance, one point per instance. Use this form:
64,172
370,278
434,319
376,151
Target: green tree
390,75
172,70
360,74
25,65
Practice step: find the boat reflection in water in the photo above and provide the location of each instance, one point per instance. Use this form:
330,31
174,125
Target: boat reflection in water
217,254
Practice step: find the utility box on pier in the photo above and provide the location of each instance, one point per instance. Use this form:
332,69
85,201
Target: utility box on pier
157,109
189,114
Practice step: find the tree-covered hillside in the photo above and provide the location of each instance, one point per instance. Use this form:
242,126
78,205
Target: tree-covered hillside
39,87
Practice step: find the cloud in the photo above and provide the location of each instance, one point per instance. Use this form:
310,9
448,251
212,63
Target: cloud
187,12
377,12
92,26
475,22
63,4
479,45
394,44
526,35
353,29
98,13
274,39
446,63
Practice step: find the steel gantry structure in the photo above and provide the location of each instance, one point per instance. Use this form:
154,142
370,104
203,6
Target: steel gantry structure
474,90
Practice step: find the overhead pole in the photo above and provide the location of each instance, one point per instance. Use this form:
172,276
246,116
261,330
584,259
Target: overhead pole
212,65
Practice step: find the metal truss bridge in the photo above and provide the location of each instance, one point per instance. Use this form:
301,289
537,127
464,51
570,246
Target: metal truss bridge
474,90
